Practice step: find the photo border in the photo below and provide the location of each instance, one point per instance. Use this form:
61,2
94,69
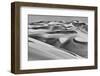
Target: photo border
15,36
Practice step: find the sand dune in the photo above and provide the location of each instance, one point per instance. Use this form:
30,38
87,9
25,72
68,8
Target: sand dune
42,51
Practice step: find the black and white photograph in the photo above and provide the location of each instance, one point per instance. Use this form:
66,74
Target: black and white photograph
52,37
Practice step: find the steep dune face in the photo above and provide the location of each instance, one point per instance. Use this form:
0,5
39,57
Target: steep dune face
43,51
79,43
80,48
